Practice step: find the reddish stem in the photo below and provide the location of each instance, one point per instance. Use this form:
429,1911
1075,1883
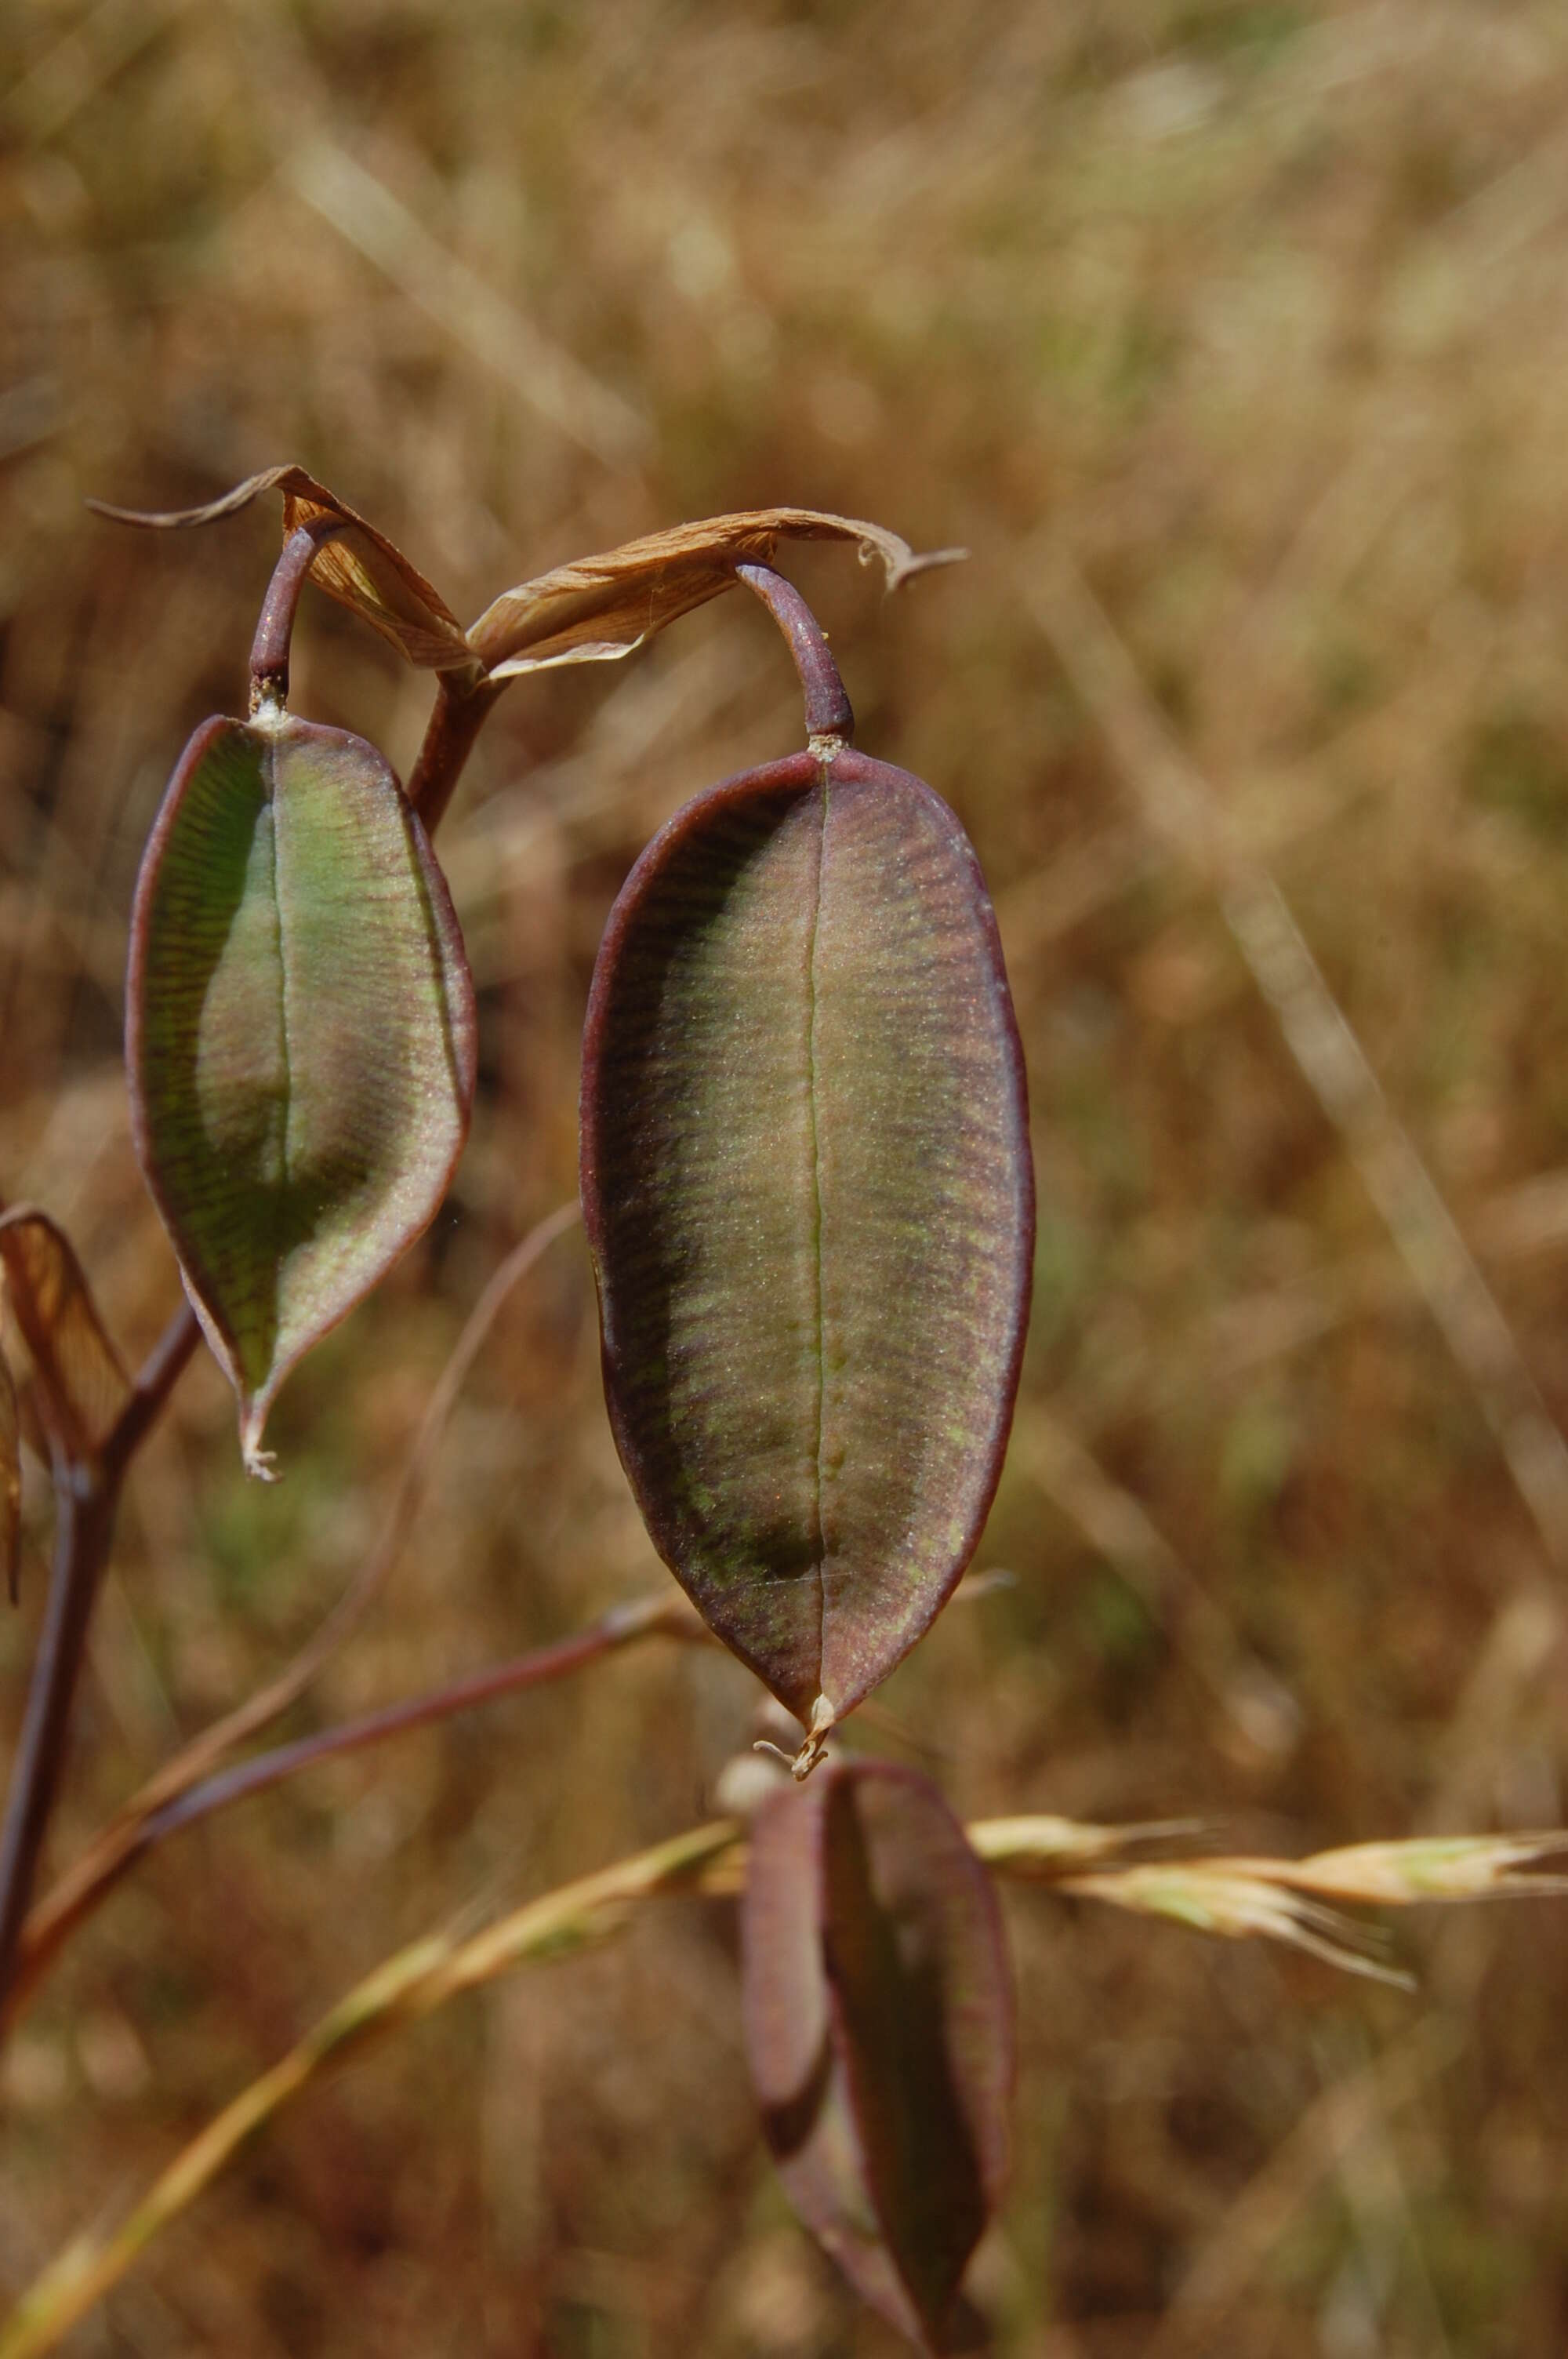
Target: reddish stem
461,705
275,624
828,713
53,1922
87,1495
645,1619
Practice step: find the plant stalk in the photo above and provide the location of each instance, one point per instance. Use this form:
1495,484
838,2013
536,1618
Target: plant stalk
658,1615
275,624
84,1521
828,713
123,1841
463,701
87,1495
51,1923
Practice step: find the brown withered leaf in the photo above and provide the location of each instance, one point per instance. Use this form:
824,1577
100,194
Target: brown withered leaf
79,1384
360,568
10,1480
879,2032
603,608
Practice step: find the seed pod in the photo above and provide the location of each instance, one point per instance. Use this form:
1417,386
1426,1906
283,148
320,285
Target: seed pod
879,2019
807,1187
299,1036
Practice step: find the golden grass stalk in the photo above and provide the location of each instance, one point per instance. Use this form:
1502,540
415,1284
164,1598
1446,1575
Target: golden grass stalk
1429,1867
1179,805
1281,1899
407,1987
1213,1898
1046,1849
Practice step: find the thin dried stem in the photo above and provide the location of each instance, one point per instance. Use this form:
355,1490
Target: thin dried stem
87,1496
462,702
122,1839
155,1379
62,1911
828,713
662,1615
1178,803
203,1754
85,1523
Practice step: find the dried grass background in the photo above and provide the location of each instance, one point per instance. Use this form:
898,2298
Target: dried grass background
1232,340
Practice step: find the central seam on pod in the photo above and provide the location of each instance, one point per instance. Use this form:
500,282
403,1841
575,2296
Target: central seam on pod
286,1030
819,1540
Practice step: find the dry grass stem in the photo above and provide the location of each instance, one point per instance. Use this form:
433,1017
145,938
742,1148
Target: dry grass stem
1178,805
557,389
1257,1704
125,1836
407,1986
1236,2253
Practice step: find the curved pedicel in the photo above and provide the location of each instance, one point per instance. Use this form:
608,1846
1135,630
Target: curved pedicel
828,713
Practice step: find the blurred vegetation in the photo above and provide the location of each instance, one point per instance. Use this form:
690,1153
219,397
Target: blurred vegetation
1231,339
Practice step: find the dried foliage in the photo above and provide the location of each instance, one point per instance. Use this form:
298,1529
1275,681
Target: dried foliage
358,565
603,608
80,1385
